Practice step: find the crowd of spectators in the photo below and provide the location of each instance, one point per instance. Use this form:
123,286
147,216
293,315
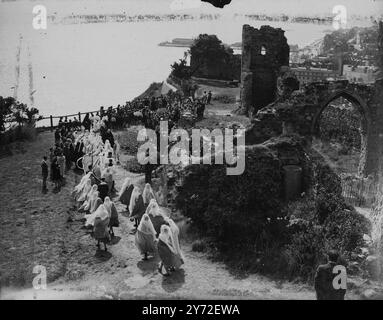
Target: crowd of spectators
146,111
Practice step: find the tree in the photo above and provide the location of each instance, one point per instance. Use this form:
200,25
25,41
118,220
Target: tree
5,111
180,70
209,57
14,111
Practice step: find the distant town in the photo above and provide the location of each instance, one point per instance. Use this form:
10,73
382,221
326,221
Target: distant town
340,55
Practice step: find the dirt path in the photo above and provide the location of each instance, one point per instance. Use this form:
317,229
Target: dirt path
47,230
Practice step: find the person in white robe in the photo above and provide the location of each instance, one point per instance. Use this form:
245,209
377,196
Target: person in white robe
113,215
136,206
107,147
100,225
148,194
85,190
89,197
108,175
94,203
170,259
100,212
156,215
175,233
126,192
117,150
145,237
78,189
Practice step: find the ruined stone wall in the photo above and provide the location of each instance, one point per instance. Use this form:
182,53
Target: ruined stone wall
300,113
264,52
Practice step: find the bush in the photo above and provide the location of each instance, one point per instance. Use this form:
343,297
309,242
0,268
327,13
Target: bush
199,246
310,241
23,133
306,249
234,211
253,229
318,223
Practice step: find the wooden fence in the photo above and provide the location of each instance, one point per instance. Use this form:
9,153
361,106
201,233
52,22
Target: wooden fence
78,115
359,192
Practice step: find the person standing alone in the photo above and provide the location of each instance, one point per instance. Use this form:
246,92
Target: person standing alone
325,277
44,173
209,98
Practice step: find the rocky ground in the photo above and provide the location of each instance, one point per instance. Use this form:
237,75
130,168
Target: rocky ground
46,230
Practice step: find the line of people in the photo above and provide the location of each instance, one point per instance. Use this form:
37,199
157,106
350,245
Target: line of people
93,193
155,233
148,111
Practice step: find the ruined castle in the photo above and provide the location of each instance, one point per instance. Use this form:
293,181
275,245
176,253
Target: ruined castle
265,58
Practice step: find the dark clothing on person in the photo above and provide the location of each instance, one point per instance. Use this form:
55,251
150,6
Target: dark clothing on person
109,136
148,172
86,122
69,154
209,98
103,190
44,173
324,283
138,210
56,176
157,222
44,169
57,136
200,111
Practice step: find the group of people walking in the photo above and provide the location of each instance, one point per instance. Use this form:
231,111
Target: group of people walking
156,234
78,148
91,147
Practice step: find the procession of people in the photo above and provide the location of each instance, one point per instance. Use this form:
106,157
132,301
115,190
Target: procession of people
92,149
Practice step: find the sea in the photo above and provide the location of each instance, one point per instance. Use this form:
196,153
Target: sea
71,68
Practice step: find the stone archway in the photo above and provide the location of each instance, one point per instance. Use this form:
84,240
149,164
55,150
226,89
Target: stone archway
365,123
300,111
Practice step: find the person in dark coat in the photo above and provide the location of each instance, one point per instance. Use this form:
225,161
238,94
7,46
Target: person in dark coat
103,189
126,192
209,97
138,211
68,153
44,173
86,122
57,135
136,207
109,136
200,110
56,177
324,280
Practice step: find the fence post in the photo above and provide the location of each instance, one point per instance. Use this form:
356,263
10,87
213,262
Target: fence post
79,117
51,122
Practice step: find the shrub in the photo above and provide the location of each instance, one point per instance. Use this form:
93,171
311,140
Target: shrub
199,246
319,222
235,211
249,223
24,132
